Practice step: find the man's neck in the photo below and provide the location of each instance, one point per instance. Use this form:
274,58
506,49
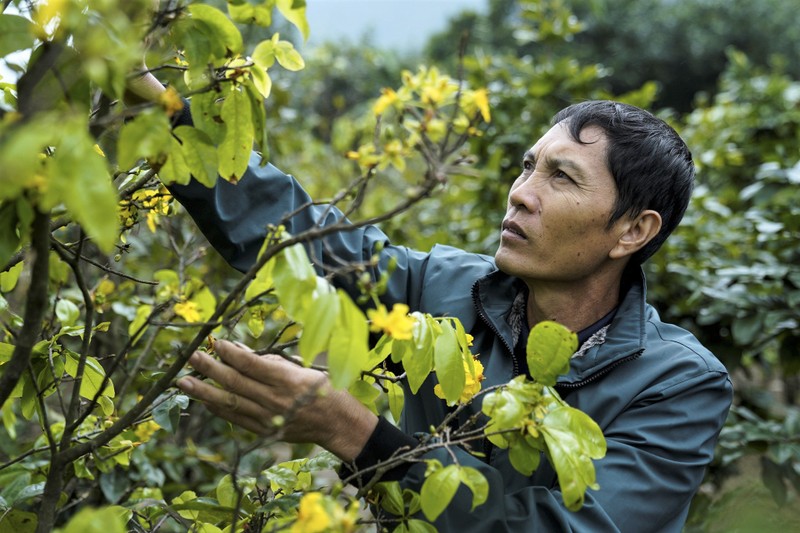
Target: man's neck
576,306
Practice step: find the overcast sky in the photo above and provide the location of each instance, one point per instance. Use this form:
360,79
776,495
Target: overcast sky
400,24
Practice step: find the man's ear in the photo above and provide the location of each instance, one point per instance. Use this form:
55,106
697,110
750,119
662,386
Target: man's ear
635,233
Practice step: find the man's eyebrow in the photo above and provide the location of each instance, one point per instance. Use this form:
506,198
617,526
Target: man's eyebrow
555,162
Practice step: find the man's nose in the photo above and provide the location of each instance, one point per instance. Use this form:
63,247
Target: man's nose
525,195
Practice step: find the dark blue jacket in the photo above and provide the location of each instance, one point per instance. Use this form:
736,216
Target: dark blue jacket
659,396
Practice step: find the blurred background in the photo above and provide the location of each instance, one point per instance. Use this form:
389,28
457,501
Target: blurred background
724,73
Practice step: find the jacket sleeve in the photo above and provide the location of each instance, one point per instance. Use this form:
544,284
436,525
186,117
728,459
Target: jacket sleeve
235,220
658,450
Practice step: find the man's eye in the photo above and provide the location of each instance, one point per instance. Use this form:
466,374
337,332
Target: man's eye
527,165
560,174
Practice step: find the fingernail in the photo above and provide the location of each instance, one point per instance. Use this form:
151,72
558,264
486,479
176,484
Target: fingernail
242,346
185,384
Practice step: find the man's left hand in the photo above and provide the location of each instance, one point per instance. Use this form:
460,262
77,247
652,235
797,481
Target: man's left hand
257,391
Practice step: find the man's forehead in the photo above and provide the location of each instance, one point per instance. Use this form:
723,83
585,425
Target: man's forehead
560,134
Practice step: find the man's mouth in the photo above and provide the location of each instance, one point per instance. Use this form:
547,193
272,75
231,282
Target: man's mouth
512,229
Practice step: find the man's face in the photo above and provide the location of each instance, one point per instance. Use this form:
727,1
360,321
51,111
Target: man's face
558,209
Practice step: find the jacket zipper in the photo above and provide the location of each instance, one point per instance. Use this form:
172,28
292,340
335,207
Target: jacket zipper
479,307
599,374
487,445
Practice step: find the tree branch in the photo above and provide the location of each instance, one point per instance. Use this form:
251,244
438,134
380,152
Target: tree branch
34,308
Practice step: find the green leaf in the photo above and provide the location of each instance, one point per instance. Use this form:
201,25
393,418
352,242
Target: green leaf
262,282
477,483
281,477
21,152
236,145
175,169
104,520
9,278
67,312
288,57
168,413
80,178
259,116
348,352
295,280
199,153
222,32
416,363
114,484
226,492
524,457
380,351
9,238
264,54
142,314
9,418
295,12
6,351
420,526
31,491
505,409
262,82
391,497
81,471
28,399
318,326
18,521
573,439
746,328
206,114
438,490
396,398
449,363
146,136
93,375
550,347
247,13
106,405
366,393
15,34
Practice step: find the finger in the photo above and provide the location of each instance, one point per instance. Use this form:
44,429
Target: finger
224,401
270,369
230,378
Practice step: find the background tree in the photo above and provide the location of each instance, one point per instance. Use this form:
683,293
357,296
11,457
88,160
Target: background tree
106,294
128,304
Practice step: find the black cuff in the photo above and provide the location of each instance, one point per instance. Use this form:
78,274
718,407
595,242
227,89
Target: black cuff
184,118
386,441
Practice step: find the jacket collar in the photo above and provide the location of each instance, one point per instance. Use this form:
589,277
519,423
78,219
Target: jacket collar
494,295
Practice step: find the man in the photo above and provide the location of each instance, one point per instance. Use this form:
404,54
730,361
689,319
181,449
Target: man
596,196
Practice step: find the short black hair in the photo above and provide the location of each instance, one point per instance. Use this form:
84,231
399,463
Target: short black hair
651,164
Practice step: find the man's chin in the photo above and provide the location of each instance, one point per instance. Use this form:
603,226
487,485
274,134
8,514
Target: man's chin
504,261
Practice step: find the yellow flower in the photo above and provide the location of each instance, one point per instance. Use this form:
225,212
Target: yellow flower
187,311
311,516
472,384
171,101
482,103
44,15
157,203
387,98
396,324
145,430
